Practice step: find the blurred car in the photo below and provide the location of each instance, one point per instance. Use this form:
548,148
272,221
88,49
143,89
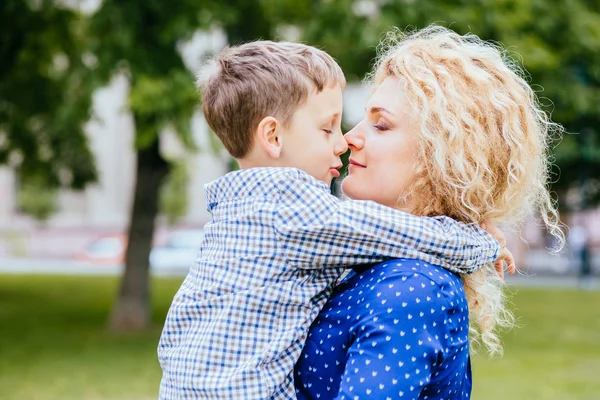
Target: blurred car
107,249
179,251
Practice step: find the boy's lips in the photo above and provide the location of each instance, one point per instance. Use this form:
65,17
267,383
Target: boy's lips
335,171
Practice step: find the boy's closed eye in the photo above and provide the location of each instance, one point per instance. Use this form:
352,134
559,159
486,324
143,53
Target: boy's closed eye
332,123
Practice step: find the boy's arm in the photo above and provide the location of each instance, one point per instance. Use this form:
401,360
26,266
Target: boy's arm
317,230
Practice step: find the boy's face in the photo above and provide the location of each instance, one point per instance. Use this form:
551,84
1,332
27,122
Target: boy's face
314,142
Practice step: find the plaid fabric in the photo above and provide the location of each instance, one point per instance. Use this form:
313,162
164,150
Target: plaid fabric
265,269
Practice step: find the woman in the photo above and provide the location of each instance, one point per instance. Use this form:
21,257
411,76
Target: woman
451,129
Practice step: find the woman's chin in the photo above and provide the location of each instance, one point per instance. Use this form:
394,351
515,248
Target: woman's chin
350,187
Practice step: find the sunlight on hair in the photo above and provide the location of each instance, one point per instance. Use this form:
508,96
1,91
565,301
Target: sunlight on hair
208,68
485,145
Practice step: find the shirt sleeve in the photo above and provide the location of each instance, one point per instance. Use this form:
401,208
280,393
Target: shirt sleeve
397,346
318,230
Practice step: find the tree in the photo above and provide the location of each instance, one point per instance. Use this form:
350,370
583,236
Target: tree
45,96
140,39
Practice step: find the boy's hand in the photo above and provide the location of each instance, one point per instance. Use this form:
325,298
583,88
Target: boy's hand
505,255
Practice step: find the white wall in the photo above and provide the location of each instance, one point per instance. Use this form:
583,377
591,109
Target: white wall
7,195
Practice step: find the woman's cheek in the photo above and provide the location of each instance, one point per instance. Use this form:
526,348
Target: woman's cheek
370,186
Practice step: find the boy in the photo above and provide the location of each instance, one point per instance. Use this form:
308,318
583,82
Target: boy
278,239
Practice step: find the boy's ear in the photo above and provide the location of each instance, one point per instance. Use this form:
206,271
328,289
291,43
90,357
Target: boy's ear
269,136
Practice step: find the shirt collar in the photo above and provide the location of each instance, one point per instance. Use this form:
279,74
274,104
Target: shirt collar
251,182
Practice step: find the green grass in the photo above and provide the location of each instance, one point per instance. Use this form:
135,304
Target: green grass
555,354
54,346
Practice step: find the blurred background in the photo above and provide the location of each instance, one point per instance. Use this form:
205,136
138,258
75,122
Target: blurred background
104,153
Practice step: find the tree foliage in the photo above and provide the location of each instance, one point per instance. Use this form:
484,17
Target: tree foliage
45,95
37,199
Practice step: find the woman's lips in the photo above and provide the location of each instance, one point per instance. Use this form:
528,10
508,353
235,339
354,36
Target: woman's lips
355,164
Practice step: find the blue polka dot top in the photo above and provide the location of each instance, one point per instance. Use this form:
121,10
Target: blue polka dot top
396,330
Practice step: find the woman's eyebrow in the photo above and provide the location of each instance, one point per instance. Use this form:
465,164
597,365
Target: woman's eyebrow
374,110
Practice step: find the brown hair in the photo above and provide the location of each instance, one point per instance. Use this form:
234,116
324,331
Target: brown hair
258,79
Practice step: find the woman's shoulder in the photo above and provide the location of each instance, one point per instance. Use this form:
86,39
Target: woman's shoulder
407,277
406,267
408,292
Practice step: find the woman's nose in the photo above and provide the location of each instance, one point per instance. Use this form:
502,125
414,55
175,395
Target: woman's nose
354,138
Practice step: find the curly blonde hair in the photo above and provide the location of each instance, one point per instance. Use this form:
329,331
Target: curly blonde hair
484,146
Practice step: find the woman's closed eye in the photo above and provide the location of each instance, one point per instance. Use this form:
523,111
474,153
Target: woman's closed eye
381,126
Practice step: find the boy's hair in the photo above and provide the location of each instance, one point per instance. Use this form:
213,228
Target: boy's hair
258,79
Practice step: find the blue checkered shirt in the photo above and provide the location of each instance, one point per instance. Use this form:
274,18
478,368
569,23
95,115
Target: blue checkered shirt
276,245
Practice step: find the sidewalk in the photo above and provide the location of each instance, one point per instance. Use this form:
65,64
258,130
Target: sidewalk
69,267
537,274
554,281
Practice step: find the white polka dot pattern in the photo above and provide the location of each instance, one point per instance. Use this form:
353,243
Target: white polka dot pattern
398,330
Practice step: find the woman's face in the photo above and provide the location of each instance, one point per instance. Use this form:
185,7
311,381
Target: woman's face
383,149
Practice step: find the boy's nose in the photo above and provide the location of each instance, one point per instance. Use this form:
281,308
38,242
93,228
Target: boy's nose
341,146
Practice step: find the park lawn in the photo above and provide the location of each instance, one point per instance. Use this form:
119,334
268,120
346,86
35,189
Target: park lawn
54,345
554,354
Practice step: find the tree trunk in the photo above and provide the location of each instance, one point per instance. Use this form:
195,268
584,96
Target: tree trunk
132,309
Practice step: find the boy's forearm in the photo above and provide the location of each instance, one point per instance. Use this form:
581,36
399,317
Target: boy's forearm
358,232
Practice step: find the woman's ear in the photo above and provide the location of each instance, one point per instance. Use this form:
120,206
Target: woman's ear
269,136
